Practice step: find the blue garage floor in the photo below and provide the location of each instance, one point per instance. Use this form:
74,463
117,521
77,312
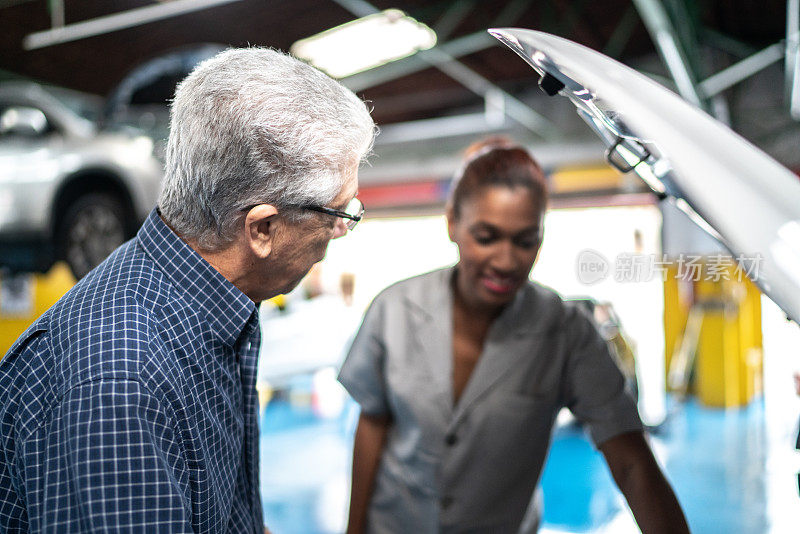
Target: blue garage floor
731,473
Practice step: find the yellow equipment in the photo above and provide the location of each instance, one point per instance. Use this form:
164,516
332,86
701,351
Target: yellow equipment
25,297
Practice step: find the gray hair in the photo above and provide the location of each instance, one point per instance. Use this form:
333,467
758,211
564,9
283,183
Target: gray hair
252,126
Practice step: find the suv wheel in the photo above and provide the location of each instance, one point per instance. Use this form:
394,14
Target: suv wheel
93,226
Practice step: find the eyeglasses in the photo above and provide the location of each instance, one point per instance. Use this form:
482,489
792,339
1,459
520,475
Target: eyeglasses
352,213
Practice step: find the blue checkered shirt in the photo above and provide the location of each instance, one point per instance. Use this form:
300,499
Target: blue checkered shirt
130,405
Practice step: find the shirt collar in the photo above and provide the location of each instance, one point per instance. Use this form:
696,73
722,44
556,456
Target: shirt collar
215,298
436,294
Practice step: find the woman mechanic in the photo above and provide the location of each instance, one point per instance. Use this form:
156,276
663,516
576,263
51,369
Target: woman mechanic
460,374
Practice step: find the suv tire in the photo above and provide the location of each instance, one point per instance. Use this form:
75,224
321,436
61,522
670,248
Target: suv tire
93,226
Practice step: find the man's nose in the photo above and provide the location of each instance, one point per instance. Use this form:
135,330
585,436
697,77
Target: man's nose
339,229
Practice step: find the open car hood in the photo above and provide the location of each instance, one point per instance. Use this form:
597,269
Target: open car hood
733,190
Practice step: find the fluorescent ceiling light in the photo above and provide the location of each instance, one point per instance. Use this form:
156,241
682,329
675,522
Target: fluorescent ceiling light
365,43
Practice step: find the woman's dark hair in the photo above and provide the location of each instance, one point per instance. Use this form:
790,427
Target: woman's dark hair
496,162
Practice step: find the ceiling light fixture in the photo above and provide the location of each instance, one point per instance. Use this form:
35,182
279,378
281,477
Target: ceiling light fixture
365,43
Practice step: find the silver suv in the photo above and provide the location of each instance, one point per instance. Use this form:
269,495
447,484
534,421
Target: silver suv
68,189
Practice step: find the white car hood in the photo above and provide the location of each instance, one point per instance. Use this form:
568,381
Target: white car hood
739,194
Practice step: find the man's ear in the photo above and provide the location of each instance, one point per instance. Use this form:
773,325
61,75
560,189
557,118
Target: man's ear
259,227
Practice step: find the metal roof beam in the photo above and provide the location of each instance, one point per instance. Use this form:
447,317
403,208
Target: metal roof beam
450,19
439,58
515,109
439,127
462,46
793,57
741,70
669,47
459,47
118,21
622,33
57,17
726,43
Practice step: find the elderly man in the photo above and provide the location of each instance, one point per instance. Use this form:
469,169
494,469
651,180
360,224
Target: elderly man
131,405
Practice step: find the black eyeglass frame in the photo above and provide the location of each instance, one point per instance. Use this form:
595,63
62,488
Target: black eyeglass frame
339,213
329,211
